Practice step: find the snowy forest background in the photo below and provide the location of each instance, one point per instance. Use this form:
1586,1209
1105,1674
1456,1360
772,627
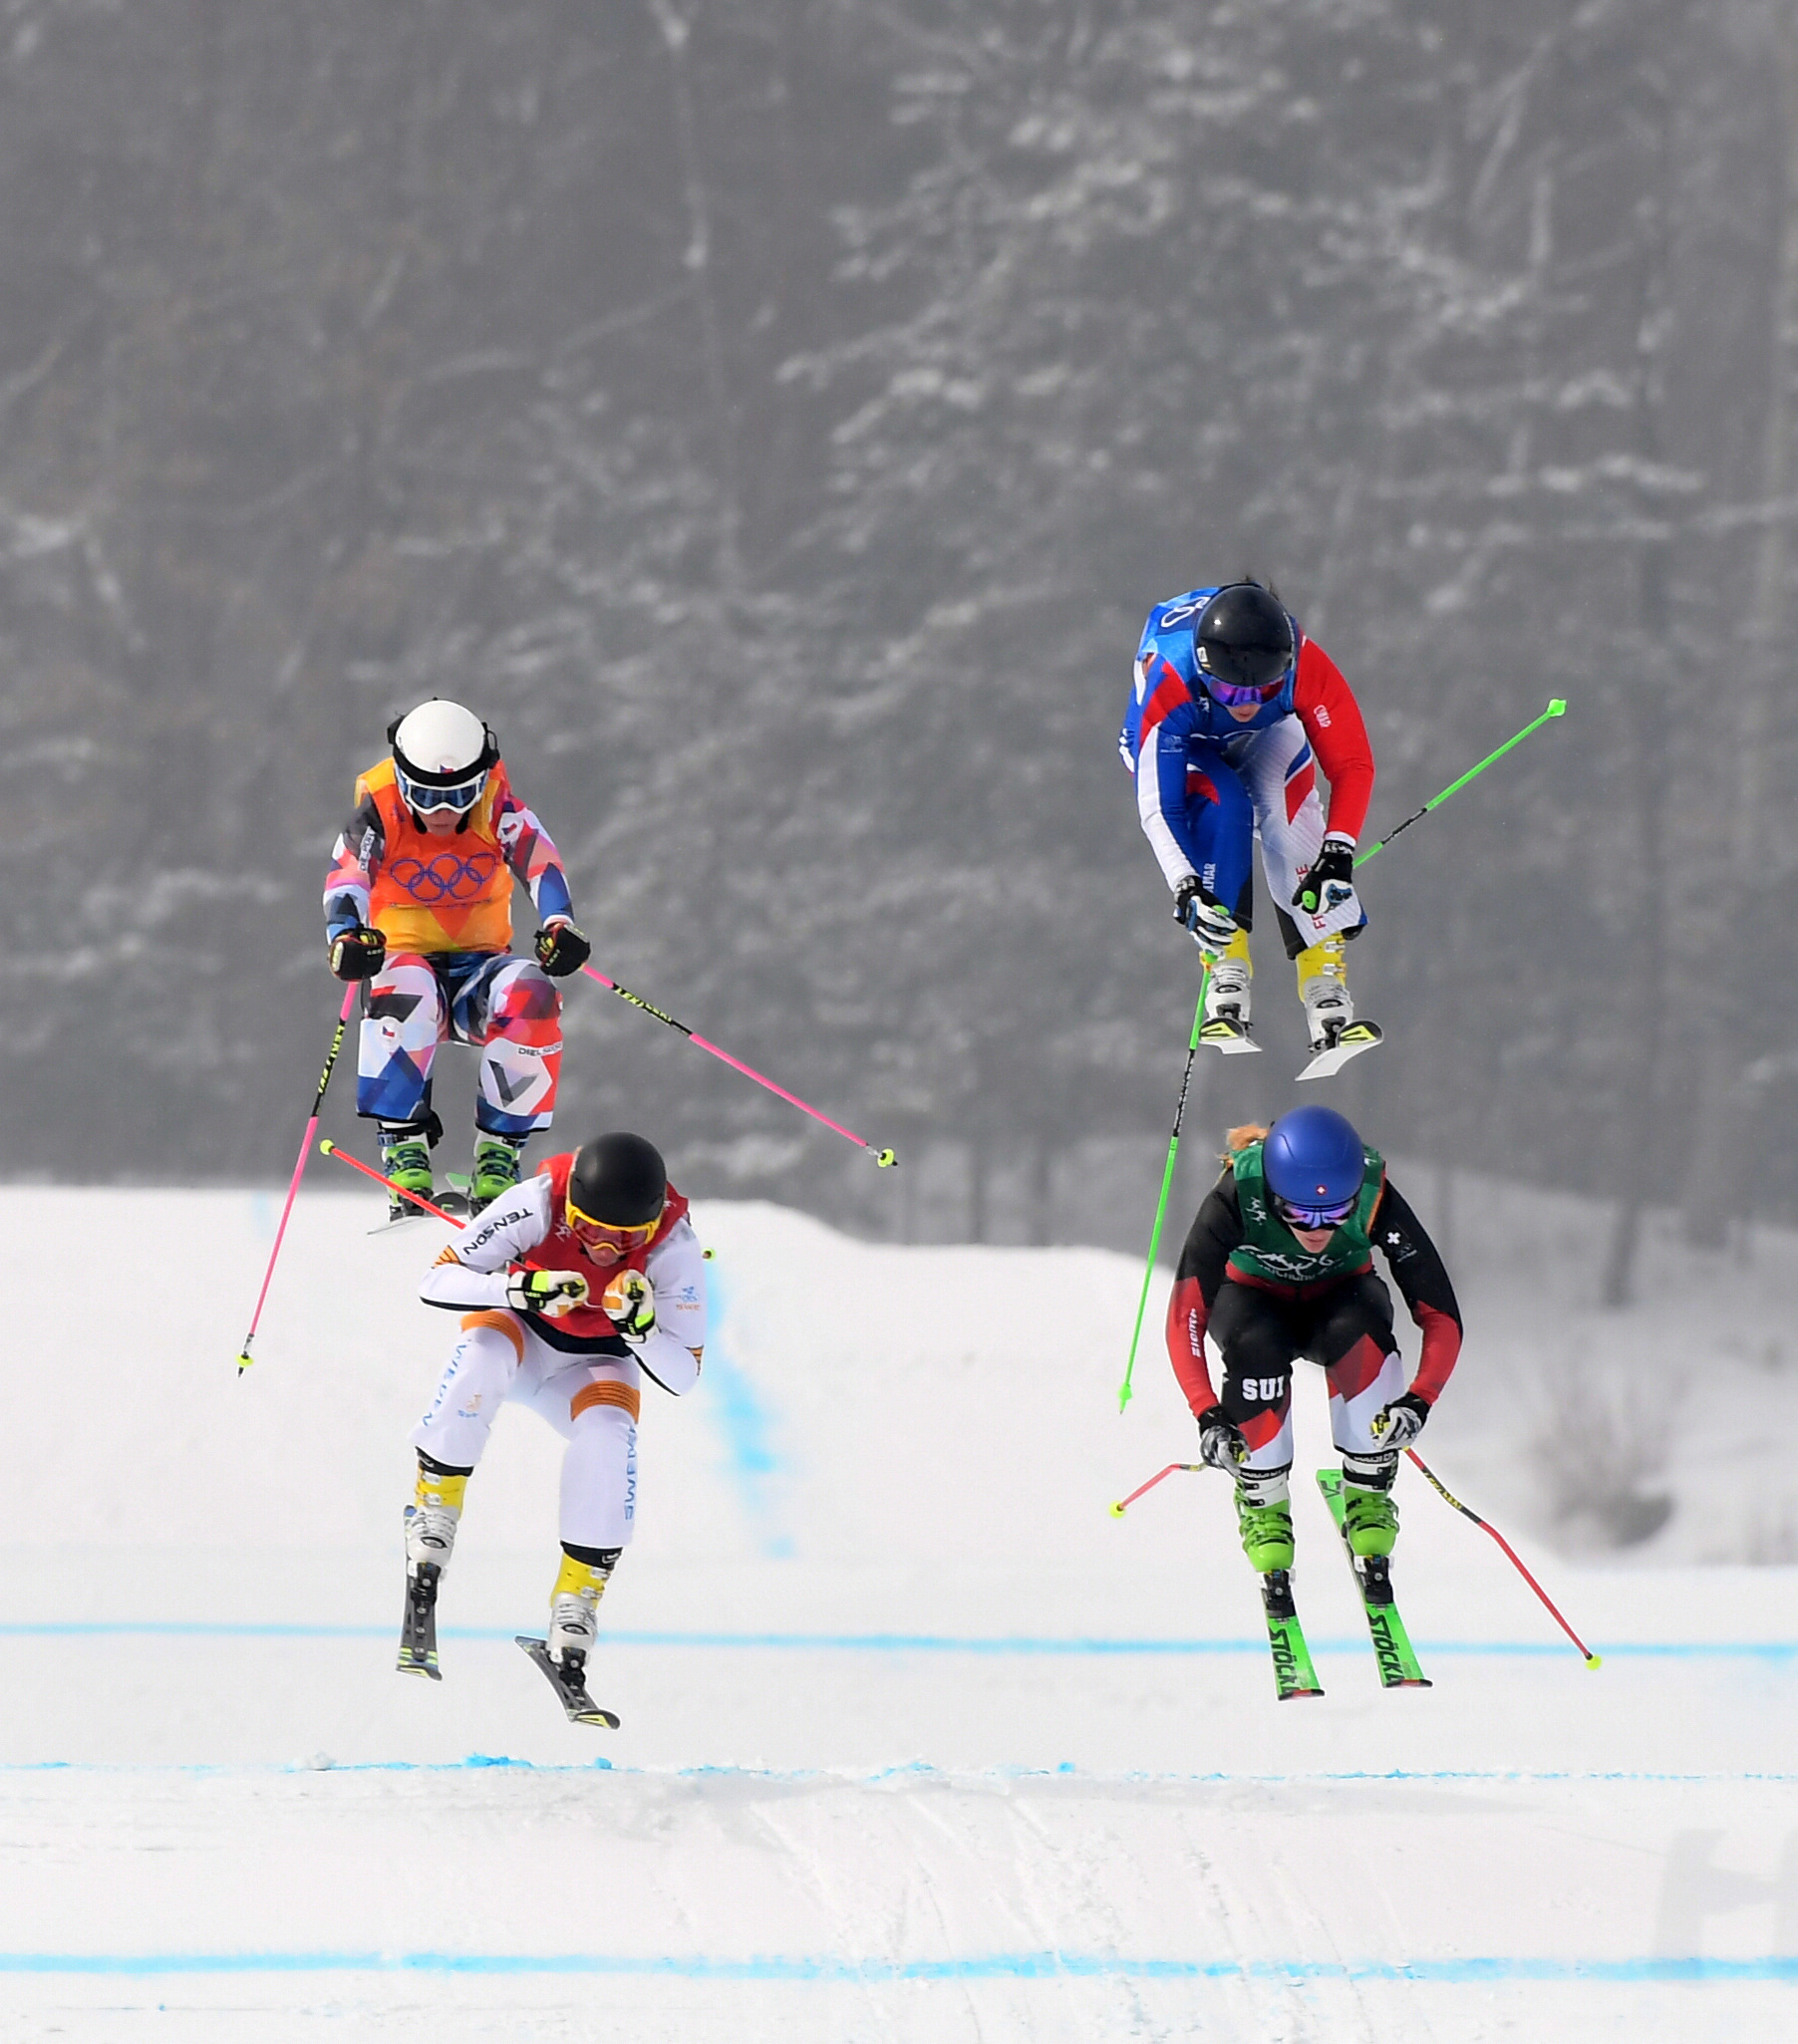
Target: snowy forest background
777,416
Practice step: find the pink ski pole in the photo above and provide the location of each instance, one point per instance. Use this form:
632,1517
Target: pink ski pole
245,1357
881,1157
368,1171
1590,1659
1117,1509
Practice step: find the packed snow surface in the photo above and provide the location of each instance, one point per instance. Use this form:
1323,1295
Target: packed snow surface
920,1742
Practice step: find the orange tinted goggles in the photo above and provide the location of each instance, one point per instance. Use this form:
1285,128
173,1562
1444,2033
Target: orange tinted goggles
605,1235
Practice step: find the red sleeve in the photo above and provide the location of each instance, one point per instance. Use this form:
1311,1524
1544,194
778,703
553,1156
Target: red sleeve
1332,722
1441,1347
1186,1317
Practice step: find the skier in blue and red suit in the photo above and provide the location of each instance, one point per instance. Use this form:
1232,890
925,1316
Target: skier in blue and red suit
1232,711
1278,1266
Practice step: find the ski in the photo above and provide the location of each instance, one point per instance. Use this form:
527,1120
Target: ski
1225,1034
1349,1042
417,1629
1294,1675
569,1684
1372,1574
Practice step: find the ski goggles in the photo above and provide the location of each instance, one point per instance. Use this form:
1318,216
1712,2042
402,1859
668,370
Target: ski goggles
1235,695
421,795
608,1235
1333,1216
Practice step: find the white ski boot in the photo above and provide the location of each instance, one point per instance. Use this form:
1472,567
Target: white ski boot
1229,997
574,1610
431,1519
1336,1035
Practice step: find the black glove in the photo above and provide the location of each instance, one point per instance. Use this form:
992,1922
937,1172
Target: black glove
1221,1441
1330,883
1402,1421
1199,911
358,954
561,950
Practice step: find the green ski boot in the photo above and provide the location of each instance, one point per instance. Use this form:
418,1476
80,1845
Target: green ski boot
1371,1521
406,1159
497,1168
1267,1532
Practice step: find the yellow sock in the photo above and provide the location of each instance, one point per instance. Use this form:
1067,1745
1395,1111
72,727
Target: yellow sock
436,1491
580,1579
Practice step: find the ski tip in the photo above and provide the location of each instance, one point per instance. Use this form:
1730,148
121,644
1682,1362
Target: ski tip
1595,1661
1288,1695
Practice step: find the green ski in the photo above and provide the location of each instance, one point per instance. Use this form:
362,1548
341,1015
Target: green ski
1372,1574
1294,1675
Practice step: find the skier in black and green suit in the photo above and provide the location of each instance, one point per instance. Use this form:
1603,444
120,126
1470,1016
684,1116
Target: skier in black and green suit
1278,1266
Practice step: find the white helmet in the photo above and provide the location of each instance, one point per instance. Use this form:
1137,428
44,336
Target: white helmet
442,755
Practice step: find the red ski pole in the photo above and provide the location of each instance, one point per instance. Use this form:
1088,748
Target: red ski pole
245,1357
881,1157
1117,1509
1590,1659
368,1171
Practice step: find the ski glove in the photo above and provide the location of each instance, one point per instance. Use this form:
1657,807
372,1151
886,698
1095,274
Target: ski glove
549,1293
1199,911
1326,898
1221,1441
561,950
1400,1423
630,1305
358,954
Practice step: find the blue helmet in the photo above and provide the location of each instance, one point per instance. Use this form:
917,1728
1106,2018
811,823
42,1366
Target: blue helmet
1315,1164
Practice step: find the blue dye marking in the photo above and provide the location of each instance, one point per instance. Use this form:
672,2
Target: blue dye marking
744,1423
904,1642
831,1970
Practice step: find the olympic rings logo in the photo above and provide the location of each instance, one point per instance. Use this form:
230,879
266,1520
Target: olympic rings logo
447,877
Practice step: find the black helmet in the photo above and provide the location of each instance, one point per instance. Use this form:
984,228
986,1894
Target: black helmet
1245,638
618,1181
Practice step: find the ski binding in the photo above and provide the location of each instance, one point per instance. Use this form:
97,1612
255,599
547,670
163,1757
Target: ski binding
571,1684
1343,1043
1294,1675
417,1629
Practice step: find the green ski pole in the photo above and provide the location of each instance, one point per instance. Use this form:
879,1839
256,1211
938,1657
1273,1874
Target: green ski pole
1557,708
1167,1179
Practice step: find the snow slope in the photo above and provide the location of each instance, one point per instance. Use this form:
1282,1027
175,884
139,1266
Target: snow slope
919,1741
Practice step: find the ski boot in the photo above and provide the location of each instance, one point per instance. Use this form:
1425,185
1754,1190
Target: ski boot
1267,1533
1229,992
431,1521
574,1611
1370,1521
406,1159
497,1168
1336,1035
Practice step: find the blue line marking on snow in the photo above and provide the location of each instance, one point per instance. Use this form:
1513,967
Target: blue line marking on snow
899,1642
831,1970
915,1770
744,1423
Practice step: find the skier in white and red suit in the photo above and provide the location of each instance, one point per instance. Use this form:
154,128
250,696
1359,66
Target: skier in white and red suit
419,903
1277,1266
572,1289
